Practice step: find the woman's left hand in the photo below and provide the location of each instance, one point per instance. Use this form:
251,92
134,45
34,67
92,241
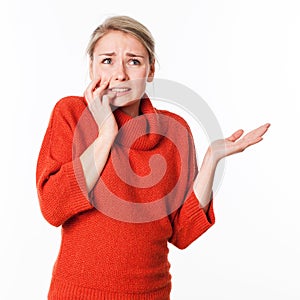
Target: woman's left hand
236,143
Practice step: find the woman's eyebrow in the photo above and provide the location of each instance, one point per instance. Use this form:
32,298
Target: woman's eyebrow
134,55
127,54
107,54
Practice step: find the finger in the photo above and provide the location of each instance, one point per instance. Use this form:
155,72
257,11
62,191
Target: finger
102,102
90,88
93,84
100,88
235,135
258,132
252,142
97,93
262,129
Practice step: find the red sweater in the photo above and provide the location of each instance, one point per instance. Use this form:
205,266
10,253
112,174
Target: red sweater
115,240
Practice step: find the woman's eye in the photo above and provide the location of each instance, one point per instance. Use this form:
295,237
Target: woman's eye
106,61
134,62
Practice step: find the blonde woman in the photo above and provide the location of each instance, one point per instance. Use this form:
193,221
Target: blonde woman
120,177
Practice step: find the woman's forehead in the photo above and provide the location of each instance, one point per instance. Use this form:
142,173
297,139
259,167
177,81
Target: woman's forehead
114,40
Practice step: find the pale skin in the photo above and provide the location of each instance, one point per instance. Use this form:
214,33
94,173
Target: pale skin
119,71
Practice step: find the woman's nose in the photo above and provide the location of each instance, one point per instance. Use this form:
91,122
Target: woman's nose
120,73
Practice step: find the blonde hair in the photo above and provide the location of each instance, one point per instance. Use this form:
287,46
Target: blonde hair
127,25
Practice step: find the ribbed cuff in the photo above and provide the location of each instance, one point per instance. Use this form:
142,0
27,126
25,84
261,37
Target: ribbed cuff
74,198
192,222
195,213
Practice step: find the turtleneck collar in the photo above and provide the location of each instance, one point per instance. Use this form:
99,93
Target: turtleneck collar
140,132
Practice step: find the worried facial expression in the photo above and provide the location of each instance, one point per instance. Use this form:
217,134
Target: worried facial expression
122,60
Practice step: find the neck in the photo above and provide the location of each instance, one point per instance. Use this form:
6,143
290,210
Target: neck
132,110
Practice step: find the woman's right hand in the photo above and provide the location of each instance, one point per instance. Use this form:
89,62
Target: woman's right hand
99,99
94,158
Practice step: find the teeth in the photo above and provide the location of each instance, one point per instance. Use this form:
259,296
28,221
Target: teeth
119,90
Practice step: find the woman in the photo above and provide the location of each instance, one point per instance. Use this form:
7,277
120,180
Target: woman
101,175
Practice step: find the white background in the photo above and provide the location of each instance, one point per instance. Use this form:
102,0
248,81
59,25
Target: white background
242,57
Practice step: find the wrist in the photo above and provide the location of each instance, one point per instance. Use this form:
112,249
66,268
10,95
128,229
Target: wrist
105,139
211,158
107,135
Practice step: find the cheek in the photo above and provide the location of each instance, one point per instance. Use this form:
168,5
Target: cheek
98,71
140,76
144,73
139,85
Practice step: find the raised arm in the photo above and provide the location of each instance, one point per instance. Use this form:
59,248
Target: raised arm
218,150
59,177
95,156
64,179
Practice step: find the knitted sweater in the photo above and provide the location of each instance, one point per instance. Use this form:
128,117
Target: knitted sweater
115,239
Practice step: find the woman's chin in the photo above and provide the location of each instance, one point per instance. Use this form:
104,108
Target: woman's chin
128,106
124,101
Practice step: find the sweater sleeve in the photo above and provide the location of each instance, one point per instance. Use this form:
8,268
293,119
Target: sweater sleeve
59,177
190,221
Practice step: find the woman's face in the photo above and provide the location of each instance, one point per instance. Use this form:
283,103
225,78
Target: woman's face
122,60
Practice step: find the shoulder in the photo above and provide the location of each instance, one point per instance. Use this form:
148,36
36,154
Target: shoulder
68,110
70,104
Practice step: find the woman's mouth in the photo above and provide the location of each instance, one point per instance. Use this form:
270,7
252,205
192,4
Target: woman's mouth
120,91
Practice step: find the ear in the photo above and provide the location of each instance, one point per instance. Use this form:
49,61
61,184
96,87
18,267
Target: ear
151,72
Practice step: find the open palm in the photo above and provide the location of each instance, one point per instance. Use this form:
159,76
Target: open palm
236,143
